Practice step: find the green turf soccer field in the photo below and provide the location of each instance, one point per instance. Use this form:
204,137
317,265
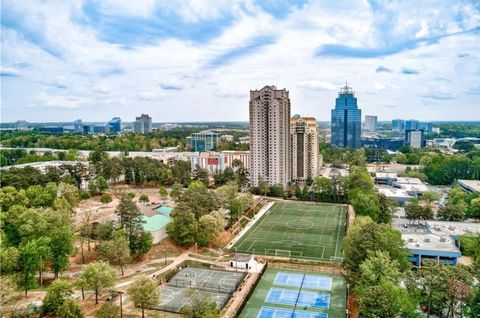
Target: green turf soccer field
288,293
297,230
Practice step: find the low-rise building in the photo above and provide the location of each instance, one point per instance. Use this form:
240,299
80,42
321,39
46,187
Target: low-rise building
215,162
400,196
470,185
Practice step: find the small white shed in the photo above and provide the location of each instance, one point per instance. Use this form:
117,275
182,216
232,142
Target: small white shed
242,261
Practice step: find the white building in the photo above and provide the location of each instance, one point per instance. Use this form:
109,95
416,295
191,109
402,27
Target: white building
305,153
215,162
228,138
370,123
270,136
243,261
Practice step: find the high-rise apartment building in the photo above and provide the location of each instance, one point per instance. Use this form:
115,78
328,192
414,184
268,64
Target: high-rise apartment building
142,124
270,136
398,124
305,156
346,120
370,123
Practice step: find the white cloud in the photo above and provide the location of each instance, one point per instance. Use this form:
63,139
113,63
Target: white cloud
317,85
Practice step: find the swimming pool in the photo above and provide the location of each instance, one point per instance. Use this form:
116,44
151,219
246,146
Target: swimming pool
156,222
163,209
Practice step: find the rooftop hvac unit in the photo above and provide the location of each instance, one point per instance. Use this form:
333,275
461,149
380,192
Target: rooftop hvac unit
451,227
436,228
469,230
417,245
410,240
443,239
426,240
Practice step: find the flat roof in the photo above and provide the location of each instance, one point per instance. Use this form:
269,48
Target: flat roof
409,187
43,164
386,175
408,180
472,185
391,192
429,242
454,228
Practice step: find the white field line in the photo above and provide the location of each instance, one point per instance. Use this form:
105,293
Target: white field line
250,224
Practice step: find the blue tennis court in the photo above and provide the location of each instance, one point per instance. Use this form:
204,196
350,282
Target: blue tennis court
304,299
310,281
269,312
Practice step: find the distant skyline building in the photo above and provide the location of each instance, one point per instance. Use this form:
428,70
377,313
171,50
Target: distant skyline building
115,124
21,125
415,138
346,120
78,126
398,124
305,152
411,124
142,124
206,140
371,123
425,126
270,141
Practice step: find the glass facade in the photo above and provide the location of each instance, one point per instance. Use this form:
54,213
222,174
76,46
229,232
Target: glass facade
115,124
398,124
346,120
411,124
203,141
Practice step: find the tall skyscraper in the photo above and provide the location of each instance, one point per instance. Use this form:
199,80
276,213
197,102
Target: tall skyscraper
305,156
398,124
143,124
411,124
78,126
425,126
270,136
346,120
115,124
370,123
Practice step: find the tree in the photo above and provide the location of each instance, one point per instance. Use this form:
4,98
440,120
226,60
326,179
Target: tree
365,236
236,209
30,263
108,310
385,300
208,229
365,203
163,193
97,277
131,219
140,243
387,209
177,189
472,309
416,212
429,197
62,239
69,309
101,183
143,292
475,208
92,187
183,228
57,293
105,198
450,212
144,199
115,251
202,306
264,187
8,292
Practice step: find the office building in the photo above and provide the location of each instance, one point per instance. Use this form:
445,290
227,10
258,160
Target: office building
411,124
21,125
203,141
346,120
78,126
115,124
270,136
425,126
101,129
142,124
51,129
305,156
415,138
370,123
398,125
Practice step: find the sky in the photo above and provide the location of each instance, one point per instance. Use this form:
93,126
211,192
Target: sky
196,60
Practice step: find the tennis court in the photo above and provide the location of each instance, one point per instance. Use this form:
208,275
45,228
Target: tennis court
285,293
190,283
269,312
297,230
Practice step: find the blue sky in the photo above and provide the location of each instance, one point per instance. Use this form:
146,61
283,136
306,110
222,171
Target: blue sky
195,60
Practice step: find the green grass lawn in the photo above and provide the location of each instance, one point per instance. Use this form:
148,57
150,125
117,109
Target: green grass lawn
297,230
257,300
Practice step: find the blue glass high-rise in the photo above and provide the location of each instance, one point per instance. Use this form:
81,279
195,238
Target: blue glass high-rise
346,120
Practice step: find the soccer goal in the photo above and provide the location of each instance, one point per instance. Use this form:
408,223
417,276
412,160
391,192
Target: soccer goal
283,253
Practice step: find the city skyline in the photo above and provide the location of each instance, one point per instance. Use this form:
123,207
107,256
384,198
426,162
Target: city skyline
95,60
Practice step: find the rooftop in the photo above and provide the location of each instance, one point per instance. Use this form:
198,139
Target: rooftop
472,185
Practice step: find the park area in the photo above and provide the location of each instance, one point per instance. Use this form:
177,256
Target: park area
297,230
287,293
191,282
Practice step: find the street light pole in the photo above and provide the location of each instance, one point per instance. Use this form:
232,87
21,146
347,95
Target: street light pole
121,305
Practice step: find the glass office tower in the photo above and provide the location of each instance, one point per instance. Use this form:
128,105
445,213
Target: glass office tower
346,120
